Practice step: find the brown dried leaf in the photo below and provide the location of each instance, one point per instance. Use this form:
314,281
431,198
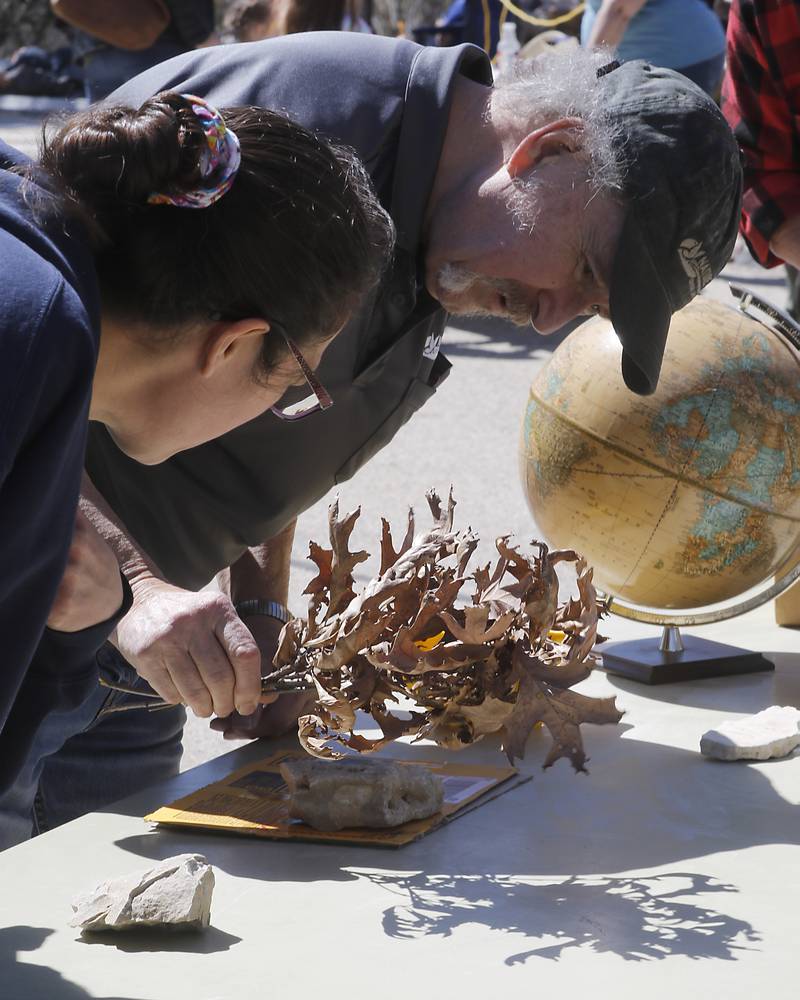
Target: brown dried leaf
493,663
316,738
393,727
289,642
561,711
312,734
559,672
541,598
518,566
532,706
336,704
562,673
405,654
364,681
483,581
388,555
364,632
475,629
446,657
487,717
464,550
587,619
324,560
500,598
344,561
443,518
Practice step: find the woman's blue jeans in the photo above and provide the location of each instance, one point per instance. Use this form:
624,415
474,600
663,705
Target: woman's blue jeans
82,760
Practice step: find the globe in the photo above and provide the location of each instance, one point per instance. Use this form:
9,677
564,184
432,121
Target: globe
685,498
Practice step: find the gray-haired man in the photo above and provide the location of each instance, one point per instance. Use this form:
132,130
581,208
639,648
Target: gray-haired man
581,188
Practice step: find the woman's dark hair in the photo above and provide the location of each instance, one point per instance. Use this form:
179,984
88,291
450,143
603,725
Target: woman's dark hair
298,238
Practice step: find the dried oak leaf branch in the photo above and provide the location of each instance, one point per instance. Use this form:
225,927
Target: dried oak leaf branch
503,660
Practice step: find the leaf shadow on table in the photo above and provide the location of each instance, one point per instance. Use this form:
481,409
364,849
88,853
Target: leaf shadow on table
567,838
26,981
206,942
637,917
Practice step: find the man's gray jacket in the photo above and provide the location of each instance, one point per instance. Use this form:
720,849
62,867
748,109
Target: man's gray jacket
389,100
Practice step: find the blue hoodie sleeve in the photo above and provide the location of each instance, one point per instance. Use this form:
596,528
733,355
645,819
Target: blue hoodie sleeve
48,358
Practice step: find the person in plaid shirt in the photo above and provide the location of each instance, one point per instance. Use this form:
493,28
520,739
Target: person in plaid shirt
761,100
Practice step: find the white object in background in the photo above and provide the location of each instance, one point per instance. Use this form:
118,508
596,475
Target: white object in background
771,733
507,50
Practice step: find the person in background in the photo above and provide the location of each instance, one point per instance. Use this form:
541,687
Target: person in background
462,22
684,35
199,263
324,15
761,100
249,20
106,67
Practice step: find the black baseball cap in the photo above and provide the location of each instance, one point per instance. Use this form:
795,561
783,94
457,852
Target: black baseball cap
682,192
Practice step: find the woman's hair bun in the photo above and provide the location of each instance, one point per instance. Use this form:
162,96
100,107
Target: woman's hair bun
297,238
112,158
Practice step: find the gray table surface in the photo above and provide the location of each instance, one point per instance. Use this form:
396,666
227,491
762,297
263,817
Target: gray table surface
659,873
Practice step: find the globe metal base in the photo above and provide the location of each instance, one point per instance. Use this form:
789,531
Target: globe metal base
648,661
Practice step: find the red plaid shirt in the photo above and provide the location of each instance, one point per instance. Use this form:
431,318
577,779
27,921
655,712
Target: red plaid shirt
761,100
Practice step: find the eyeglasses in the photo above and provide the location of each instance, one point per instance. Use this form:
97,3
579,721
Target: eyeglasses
320,399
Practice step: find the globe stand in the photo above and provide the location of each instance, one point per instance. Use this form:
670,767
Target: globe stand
678,658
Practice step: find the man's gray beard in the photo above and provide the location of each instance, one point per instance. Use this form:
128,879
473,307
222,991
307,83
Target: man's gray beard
456,278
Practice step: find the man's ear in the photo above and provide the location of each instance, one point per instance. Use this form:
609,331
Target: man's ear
225,340
564,135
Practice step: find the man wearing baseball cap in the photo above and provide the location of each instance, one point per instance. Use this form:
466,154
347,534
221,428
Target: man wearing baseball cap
681,193
581,187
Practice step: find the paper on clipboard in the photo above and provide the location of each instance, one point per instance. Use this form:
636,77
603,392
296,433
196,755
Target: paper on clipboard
253,801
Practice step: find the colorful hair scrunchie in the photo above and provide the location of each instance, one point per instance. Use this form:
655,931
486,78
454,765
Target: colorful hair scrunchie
219,161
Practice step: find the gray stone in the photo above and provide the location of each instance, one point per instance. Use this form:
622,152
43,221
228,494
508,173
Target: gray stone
176,893
774,732
330,795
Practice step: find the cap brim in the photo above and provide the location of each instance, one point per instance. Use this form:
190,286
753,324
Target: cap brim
640,310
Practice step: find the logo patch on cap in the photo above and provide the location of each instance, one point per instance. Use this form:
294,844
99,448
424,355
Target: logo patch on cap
695,263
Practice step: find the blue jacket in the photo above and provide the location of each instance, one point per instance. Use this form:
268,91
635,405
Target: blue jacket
49,336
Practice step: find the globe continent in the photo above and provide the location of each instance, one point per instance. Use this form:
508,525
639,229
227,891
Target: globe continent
681,499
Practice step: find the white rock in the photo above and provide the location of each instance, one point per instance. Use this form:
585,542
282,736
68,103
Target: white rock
332,795
774,732
175,893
